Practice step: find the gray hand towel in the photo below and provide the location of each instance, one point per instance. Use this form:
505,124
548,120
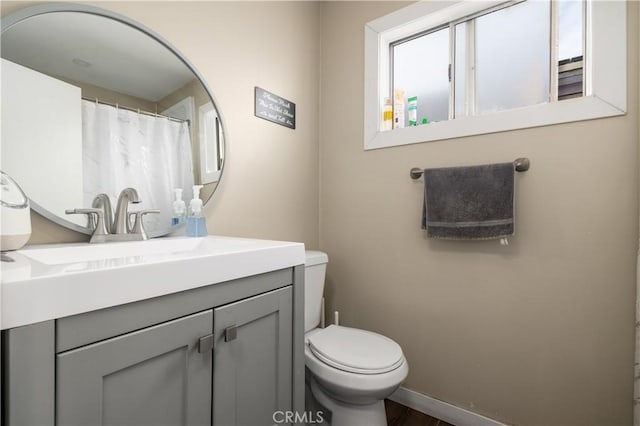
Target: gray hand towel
469,203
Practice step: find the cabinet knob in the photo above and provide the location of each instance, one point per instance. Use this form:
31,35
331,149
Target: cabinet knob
205,343
230,333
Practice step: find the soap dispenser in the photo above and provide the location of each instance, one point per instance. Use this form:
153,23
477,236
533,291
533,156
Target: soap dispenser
196,224
179,209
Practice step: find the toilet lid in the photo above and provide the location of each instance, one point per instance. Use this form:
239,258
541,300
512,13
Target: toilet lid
356,351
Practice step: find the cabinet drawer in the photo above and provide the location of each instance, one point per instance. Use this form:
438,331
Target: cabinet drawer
80,330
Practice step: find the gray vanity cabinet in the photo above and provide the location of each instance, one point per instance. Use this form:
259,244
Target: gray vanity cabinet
224,354
252,376
155,376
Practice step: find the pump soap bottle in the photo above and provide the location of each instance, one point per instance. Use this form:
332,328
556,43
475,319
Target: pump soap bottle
196,223
179,209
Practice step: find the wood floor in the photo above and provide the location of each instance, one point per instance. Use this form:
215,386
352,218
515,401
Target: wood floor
399,415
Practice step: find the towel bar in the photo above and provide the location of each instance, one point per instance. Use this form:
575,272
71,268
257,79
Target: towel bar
521,165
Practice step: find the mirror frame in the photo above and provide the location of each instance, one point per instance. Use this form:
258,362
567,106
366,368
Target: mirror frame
29,12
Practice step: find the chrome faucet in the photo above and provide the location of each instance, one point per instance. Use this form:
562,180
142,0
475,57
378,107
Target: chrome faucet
102,201
106,227
121,223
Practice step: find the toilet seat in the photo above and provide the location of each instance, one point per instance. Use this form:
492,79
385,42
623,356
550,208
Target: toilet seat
355,351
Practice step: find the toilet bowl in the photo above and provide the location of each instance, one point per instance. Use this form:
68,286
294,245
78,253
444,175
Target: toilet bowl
350,371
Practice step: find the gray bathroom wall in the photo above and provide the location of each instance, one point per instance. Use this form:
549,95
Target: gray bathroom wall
269,187
540,332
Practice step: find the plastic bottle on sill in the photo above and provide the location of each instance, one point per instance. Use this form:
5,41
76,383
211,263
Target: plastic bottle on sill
398,109
413,111
387,115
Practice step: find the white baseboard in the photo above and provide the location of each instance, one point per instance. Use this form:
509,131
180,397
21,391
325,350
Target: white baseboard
441,410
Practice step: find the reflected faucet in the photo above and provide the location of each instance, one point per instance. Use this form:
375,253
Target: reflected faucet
121,223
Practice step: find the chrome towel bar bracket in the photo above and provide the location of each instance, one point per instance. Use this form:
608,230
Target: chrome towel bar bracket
521,165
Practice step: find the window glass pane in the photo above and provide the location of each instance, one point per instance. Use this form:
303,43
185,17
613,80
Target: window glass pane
512,57
421,68
570,49
461,70
569,29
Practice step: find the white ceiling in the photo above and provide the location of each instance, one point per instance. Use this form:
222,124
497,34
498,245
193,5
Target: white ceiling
122,58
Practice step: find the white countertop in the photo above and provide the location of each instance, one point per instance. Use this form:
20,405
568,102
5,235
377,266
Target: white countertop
53,281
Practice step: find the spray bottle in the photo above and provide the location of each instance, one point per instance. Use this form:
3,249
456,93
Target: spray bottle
196,223
179,209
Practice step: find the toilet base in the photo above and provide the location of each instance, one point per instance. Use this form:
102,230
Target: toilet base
349,415
321,415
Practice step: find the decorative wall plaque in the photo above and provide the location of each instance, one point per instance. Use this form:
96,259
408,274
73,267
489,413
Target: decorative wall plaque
275,108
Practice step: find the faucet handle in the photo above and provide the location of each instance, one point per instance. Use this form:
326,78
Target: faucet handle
138,226
100,228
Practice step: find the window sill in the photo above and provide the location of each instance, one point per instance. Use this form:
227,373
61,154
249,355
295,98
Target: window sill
578,109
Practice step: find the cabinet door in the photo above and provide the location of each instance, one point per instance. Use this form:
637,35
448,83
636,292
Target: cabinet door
252,359
155,376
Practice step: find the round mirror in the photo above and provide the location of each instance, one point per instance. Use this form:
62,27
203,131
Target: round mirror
93,103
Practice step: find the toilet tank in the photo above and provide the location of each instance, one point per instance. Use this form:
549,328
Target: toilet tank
314,272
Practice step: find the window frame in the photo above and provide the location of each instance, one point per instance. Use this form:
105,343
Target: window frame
605,71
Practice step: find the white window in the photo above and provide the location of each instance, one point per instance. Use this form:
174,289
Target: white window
475,67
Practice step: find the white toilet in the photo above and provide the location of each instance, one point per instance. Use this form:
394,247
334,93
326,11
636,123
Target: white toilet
350,371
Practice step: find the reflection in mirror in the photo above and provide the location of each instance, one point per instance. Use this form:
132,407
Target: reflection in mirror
92,104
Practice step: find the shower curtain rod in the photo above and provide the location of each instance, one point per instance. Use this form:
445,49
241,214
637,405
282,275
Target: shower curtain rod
138,110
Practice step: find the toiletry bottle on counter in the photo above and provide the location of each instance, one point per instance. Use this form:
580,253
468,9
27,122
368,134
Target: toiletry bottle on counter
413,110
196,223
179,209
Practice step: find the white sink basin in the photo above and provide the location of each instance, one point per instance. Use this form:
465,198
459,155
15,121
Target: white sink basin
53,281
63,254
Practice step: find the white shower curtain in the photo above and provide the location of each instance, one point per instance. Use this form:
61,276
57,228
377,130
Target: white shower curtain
124,149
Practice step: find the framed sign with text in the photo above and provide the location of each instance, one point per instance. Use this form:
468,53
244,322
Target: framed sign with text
274,108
